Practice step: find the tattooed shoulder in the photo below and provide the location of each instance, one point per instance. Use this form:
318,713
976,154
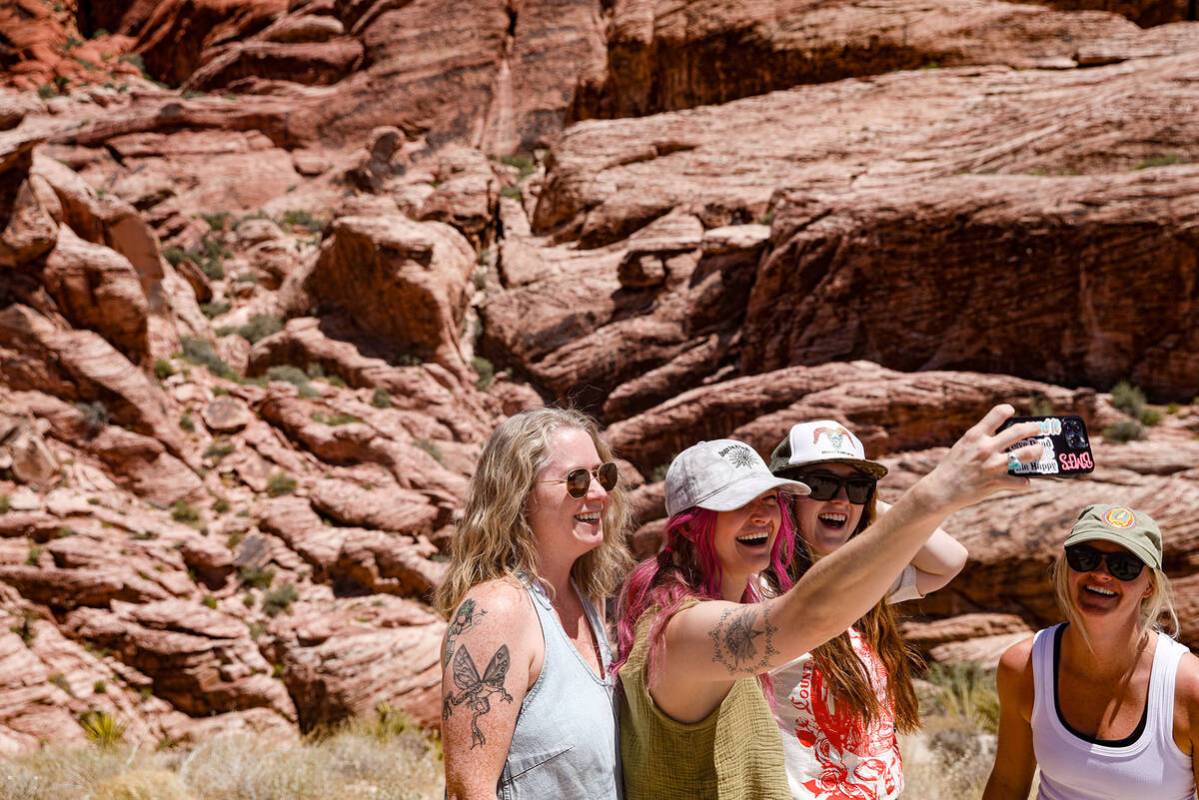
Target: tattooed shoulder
743,639
465,618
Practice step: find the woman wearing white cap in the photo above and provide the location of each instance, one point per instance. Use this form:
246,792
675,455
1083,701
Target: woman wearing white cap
1106,703
694,643
839,707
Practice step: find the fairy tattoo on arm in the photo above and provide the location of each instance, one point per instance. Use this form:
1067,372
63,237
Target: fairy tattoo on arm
476,691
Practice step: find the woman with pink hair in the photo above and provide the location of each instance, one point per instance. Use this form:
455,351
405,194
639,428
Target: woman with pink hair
696,639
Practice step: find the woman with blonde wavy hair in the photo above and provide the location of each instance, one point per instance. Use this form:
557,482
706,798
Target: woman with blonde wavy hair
1106,704
527,691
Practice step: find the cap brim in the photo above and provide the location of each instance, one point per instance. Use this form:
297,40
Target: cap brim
873,468
737,494
1136,548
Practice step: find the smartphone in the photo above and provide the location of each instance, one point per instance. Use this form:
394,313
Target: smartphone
1067,448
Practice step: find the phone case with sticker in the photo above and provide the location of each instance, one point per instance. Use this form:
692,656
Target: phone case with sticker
1067,447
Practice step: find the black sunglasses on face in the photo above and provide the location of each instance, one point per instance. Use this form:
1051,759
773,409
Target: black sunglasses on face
1120,565
826,486
578,481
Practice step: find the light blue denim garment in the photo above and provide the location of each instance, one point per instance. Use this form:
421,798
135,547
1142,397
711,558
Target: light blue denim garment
565,744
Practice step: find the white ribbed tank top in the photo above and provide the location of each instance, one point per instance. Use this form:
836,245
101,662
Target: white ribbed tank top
1148,766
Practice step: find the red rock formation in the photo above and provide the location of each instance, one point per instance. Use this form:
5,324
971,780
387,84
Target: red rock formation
665,56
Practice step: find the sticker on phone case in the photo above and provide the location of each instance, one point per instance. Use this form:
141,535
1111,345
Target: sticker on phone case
1120,517
1050,426
1047,465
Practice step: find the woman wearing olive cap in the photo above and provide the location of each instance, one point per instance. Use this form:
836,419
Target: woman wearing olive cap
1106,703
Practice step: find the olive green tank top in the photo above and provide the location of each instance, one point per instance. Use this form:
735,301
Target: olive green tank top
735,753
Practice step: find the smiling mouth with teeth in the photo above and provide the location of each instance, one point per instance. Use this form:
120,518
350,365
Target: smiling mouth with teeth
754,540
1100,592
834,520
590,518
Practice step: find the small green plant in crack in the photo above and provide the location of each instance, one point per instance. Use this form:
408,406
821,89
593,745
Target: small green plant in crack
279,599
187,423
102,729
334,419
184,511
380,398
432,449
163,369
279,484
256,577
1161,160
485,370
219,449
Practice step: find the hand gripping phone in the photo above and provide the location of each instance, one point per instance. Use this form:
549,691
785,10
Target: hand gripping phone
1067,448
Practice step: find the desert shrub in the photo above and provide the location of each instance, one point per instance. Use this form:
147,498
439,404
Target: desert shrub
523,163
1150,416
183,511
163,369
485,370
187,423
5,504
288,374
221,506
1129,399
1127,430
219,449
215,308
259,327
279,599
966,692
259,578
33,556
380,398
217,220
209,601
101,728
199,351
95,416
302,219
210,257
174,255
280,483
100,686
513,193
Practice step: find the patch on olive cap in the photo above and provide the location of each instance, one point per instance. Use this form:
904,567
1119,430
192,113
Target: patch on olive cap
1120,517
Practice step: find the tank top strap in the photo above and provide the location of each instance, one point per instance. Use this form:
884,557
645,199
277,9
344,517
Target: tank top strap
557,643
1042,671
1161,691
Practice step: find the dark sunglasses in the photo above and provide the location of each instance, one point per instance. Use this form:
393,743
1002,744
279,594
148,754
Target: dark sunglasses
578,481
1122,566
826,486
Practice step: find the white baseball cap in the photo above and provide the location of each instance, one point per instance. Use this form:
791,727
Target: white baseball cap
721,475
822,441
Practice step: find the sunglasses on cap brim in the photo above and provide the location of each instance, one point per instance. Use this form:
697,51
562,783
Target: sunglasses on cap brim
1120,565
578,481
827,485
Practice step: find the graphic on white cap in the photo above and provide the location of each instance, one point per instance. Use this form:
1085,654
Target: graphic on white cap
740,456
835,434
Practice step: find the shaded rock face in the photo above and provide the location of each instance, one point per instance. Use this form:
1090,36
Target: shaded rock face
666,56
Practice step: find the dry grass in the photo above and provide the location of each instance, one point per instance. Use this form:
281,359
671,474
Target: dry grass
951,757
380,759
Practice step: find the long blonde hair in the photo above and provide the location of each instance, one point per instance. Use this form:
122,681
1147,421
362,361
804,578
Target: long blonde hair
1157,610
494,539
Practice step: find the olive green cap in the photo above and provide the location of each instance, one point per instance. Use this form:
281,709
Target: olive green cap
1133,530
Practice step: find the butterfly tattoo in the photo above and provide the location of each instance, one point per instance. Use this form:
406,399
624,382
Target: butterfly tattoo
476,692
